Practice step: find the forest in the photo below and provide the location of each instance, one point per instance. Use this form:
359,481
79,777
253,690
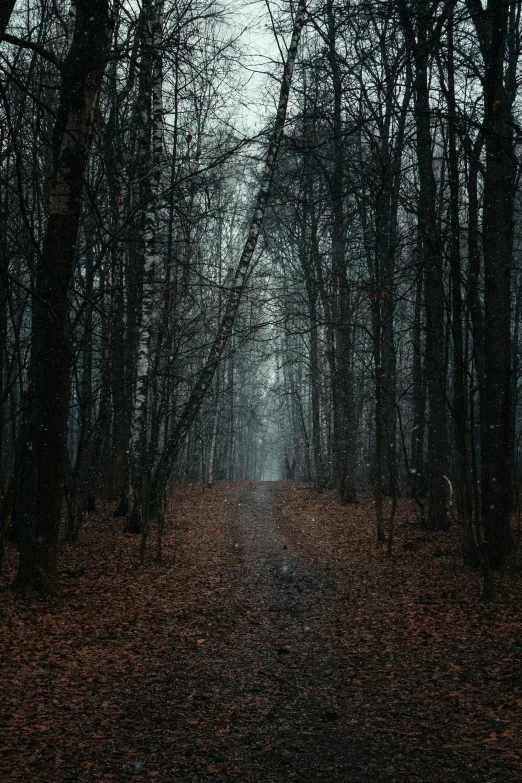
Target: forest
251,253
203,280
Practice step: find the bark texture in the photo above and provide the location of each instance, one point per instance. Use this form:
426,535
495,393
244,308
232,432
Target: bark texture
45,444
497,242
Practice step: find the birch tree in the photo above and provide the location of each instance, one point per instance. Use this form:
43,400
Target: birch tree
151,123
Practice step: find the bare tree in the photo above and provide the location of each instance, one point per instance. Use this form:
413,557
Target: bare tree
45,439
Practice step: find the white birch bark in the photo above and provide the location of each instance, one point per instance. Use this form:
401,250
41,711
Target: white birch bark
137,444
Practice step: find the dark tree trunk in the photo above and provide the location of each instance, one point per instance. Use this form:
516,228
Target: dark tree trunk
497,241
433,285
310,260
343,379
382,295
6,9
50,347
417,476
461,424
117,371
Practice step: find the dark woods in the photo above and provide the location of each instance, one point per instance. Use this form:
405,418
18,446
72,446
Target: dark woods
338,303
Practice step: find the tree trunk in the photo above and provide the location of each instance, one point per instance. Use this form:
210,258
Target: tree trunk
315,396
497,243
461,422
433,287
417,477
82,74
6,9
231,428
152,154
343,379
212,454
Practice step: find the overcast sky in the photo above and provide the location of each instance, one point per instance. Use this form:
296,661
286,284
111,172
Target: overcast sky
261,53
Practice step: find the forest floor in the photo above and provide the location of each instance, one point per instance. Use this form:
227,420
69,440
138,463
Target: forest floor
275,642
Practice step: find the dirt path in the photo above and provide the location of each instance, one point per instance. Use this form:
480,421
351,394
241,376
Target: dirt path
275,698
274,643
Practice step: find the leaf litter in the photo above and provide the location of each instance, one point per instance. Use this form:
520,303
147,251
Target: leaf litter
275,642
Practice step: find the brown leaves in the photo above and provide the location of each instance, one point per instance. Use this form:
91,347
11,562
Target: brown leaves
220,663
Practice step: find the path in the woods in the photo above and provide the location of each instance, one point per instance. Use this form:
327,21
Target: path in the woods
275,642
272,679
293,661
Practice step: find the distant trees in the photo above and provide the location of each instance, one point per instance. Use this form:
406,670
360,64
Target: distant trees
420,105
